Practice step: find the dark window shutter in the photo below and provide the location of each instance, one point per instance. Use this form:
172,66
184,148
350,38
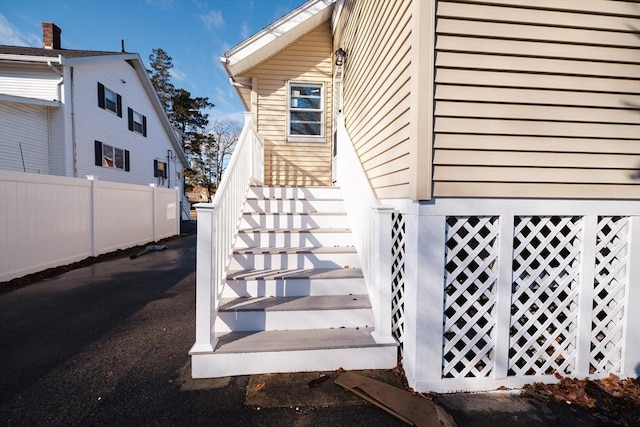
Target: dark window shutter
155,168
126,160
100,95
144,126
98,153
130,116
119,106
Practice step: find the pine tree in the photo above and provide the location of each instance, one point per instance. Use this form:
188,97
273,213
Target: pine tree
187,116
160,75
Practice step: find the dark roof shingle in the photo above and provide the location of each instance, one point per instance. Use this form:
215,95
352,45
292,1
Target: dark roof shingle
53,53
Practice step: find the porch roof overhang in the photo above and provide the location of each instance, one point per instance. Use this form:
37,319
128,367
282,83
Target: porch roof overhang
275,37
31,101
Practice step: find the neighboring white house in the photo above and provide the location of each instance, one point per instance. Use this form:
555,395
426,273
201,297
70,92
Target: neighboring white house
79,112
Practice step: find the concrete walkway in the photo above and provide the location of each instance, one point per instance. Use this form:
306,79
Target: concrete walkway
107,345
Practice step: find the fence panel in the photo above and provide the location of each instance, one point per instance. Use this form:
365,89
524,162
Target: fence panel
130,224
48,221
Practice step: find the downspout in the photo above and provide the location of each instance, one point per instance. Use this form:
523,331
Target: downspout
169,153
58,72
73,127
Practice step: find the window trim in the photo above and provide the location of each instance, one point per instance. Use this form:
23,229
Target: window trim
99,148
102,99
160,171
131,114
322,110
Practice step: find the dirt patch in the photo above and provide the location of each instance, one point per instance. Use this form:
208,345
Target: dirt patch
613,398
306,389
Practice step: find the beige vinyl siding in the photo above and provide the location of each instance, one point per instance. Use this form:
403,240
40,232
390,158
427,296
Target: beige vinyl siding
377,36
309,59
537,99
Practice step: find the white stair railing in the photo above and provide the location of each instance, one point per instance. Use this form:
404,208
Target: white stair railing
371,226
218,224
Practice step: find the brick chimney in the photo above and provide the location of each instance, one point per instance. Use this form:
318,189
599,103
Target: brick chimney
51,35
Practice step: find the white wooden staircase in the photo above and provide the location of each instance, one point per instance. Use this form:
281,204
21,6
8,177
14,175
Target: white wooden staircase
295,298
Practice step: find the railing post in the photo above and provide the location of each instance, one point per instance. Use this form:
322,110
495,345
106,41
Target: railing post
206,307
382,273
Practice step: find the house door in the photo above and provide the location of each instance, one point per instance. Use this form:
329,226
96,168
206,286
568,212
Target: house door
337,109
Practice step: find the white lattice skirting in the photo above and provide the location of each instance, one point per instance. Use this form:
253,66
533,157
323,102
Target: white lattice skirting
504,293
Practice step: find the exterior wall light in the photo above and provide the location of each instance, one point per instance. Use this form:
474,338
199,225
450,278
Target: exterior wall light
340,56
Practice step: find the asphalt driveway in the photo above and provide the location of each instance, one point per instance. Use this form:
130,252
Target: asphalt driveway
107,345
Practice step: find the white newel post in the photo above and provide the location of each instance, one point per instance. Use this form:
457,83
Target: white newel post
382,268
205,292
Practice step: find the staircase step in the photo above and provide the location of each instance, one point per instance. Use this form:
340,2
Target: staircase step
294,258
294,220
297,237
292,283
248,353
294,205
303,193
292,313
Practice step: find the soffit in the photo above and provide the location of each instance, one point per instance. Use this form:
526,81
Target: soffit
277,36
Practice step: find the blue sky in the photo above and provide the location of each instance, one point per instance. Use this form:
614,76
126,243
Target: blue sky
195,33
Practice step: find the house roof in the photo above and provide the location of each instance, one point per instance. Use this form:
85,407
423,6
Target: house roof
277,36
52,53
77,57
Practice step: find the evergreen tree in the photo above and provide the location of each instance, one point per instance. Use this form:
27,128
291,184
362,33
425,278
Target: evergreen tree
187,116
160,75
206,150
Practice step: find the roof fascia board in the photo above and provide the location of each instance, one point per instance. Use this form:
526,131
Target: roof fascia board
237,59
337,10
99,58
30,58
27,100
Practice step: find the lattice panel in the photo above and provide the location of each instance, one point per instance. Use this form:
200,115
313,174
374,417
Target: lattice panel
546,258
397,277
470,286
608,295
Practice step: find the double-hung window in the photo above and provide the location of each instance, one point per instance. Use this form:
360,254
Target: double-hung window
160,171
109,156
109,100
137,122
305,115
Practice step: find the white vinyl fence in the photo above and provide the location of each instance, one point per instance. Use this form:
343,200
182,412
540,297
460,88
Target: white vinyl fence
48,221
